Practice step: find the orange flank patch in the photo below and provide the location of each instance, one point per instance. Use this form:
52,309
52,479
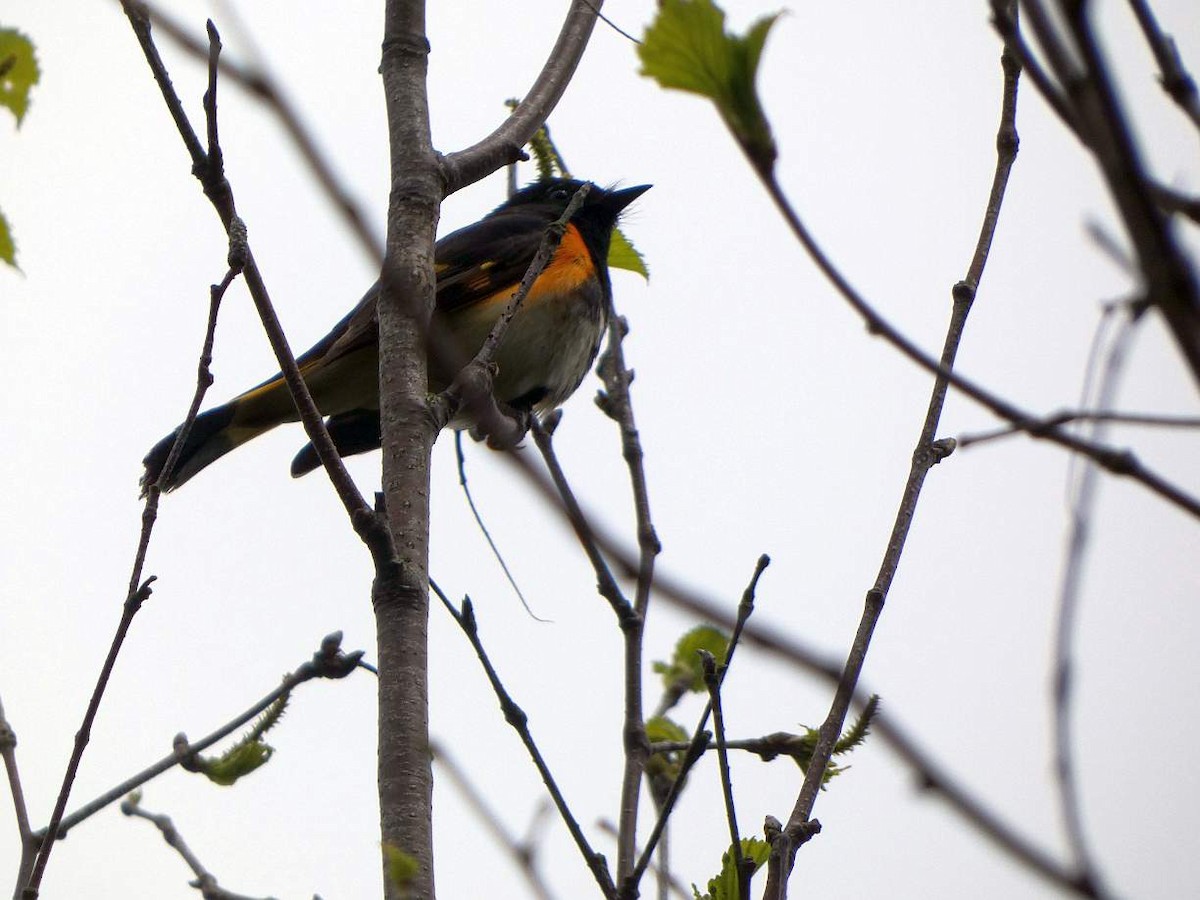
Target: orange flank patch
570,267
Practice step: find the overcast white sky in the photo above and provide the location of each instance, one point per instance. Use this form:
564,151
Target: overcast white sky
771,421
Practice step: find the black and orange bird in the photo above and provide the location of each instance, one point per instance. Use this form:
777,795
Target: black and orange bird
548,348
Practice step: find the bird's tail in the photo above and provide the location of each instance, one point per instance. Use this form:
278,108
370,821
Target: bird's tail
216,432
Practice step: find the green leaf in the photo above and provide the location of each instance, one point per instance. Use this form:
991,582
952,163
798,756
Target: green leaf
687,48
800,747
241,759
402,867
663,769
623,255
248,754
18,71
685,669
660,729
725,885
860,729
8,247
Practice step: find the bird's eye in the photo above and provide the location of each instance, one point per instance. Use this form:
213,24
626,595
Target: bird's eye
560,193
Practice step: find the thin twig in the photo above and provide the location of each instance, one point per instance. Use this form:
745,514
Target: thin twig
460,459
133,603
1006,26
928,453
1176,201
504,145
204,376
257,79
205,881
931,775
615,27
785,647
149,517
515,716
672,884
712,681
1173,75
606,584
1072,51
208,170
1117,462
1069,416
700,737
522,853
8,752
615,401
1083,501
327,662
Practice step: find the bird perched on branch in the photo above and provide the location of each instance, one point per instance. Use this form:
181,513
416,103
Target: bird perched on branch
546,351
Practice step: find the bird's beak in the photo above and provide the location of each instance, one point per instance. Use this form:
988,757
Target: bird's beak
618,200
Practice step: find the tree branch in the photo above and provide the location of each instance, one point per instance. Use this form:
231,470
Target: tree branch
927,454
327,662
1173,75
205,881
522,853
615,401
516,717
504,145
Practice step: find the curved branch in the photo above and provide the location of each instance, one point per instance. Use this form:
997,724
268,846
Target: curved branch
504,145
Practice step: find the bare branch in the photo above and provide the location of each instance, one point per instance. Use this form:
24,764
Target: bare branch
205,881
133,603
327,662
672,884
515,716
257,80
1116,462
605,582
8,752
522,853
1078,63
461,461
208,168
1082,505
712,681
504,145
700,737
1069,416
1173,75
928,453
617,404
806,658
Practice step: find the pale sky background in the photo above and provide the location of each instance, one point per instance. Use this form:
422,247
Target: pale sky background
771,422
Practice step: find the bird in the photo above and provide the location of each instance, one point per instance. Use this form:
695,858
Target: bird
547,350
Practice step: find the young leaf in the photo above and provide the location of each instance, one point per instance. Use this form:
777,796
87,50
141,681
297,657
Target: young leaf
18,71
623,255
248,754
684,668
860,729
8,247
725,885
240,759
687,48
660,729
